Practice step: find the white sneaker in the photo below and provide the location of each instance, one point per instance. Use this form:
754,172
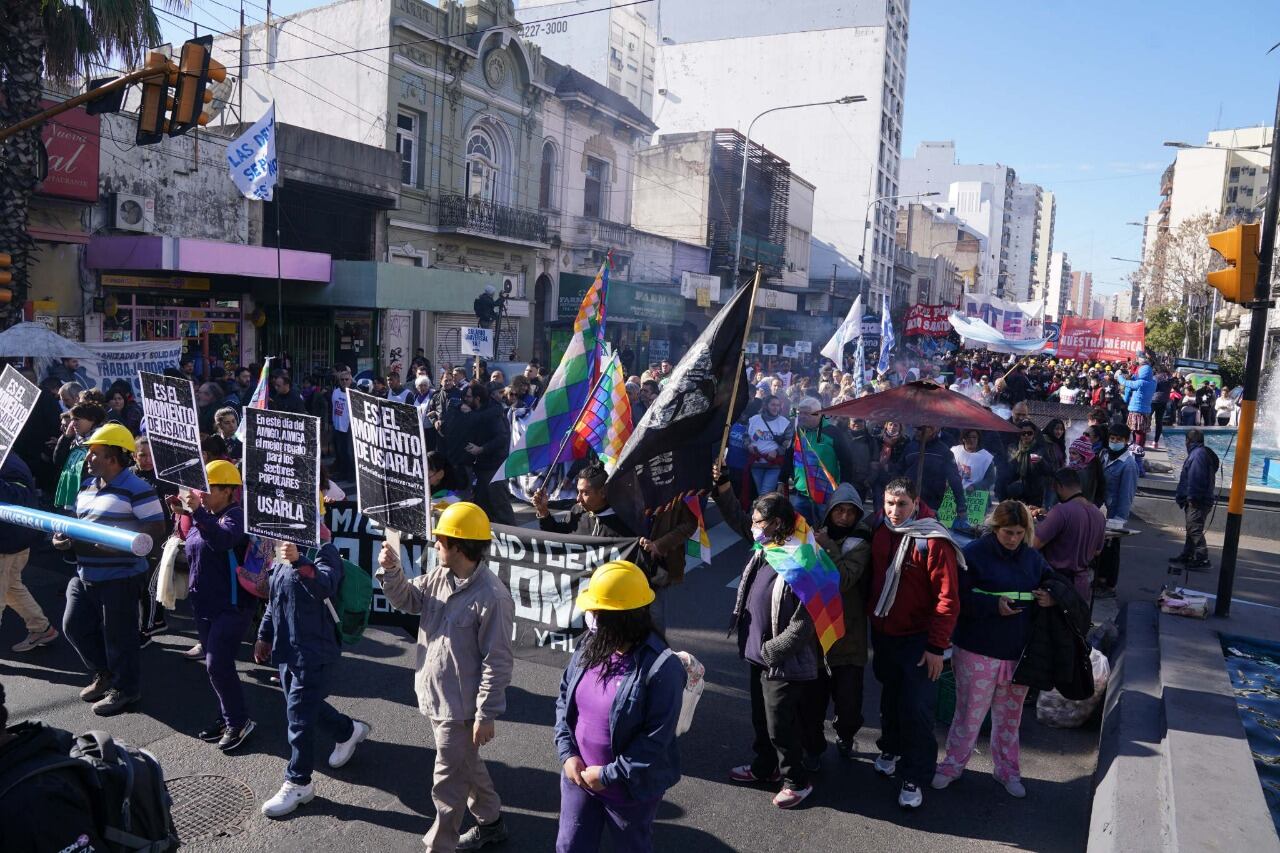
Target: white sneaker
342,752
941,780
288,798
886,764
910,796
1015,788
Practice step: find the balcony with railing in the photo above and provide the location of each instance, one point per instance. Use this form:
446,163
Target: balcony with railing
587,231
477,216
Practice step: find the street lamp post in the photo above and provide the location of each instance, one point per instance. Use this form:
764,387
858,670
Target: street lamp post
866,226
746,158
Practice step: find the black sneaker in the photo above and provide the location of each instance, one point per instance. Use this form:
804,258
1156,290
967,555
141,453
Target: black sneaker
156,628
144,639
1198,564
213,733
482,835
846,748
233,737
1178,561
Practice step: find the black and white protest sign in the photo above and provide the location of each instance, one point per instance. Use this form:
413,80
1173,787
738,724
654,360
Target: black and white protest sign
477,342
173,428
391,463
17,399
543,571
282,476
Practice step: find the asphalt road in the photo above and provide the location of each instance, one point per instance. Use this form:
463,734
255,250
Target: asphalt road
381,800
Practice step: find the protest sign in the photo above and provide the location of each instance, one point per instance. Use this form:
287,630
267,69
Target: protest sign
1100,339
770,349
976,503
927,321
477,342
544,572
805,347
116,360
788,351
17,399
282,476
391,463
172,426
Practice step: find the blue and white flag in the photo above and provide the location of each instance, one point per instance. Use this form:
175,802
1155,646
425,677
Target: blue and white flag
252,158
848,330
886,336
860,367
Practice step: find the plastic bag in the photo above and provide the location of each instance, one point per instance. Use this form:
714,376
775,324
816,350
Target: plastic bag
171,583
694,685
1053,709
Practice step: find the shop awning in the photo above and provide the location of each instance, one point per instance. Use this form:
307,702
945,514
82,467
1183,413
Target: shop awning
370,284
210,257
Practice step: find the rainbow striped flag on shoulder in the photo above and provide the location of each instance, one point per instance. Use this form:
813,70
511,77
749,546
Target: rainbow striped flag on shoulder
810,573
697,546
605,424
557,410
812,477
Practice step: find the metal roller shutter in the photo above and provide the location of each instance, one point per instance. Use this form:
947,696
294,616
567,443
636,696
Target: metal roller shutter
449,337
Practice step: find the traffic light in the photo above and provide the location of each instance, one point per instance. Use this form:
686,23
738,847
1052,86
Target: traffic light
155,96
196,68
6,278
1239,248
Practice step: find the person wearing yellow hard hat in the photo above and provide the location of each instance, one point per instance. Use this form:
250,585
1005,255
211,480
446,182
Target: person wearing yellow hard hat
616,717
101,618
215,546
464,667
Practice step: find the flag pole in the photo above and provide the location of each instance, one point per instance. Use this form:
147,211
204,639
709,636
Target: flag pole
737,377
555,460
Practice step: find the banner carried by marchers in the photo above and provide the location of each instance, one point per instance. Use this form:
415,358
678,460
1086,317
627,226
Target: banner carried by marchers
930,321
544,572
121,360
17,399
1100,339
281,468
391,463
172,427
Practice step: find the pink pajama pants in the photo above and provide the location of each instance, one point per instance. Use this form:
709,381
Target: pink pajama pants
984,683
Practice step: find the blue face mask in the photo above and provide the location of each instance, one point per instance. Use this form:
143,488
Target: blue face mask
1117,446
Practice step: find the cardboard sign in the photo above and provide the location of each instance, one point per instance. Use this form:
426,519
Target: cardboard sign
752,347
805,347
391,463
173,427
17,399
281,468
976,503
769,349
788,351
476,342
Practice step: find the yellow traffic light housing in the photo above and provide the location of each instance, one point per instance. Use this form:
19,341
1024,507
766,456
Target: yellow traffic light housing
6,278
1239,248
155,96
196,68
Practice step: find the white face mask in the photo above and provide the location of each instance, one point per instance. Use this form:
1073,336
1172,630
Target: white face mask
589,617
760,536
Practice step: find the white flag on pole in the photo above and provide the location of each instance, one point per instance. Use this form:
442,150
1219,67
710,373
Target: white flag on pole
848,331
252,158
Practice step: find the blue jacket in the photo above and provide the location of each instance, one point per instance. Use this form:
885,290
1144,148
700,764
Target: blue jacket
1139,391
1121,474
1196,483
993,568
214,547
18,488
940,472
297,624
642,722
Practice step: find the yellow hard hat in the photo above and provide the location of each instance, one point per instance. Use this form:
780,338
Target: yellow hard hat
116,435
463,520
222,473
617,585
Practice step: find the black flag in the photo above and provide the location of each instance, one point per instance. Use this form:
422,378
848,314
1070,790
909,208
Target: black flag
669,454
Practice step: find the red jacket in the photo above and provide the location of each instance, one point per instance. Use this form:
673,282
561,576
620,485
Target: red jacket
928,599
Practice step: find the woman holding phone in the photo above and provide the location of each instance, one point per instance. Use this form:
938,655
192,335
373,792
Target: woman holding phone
1002,583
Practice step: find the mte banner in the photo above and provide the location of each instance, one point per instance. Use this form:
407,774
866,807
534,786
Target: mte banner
282,476
173,429
17,399
543,571
1100,339
391,463
1013,320
928,321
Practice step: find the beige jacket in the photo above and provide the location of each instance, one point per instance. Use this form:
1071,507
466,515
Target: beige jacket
464,641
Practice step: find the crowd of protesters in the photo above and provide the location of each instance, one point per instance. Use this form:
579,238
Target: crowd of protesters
913,590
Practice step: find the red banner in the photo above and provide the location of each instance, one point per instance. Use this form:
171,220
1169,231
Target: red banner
928,321
72,142
1100,339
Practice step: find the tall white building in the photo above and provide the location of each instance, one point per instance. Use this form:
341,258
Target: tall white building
989,210
1044,243
1024,227
617,49
722,62
1058,289
1222,178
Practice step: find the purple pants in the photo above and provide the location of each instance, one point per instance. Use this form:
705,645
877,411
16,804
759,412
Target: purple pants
584,817
221,636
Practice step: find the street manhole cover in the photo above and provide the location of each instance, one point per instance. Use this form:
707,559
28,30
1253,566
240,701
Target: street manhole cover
205,806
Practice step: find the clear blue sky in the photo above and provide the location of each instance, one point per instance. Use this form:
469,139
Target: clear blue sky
1076,97
1079,97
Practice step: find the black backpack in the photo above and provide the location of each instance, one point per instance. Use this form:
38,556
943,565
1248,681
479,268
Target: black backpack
125,783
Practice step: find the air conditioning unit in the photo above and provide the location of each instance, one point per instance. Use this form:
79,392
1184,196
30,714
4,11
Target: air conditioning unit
513,285
133,212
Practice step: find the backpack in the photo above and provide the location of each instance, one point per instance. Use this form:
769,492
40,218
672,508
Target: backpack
694,684
126,783
350,604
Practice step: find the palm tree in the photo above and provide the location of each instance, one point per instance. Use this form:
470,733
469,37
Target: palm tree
58,40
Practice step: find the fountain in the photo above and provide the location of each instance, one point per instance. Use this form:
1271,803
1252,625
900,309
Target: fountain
1264,458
